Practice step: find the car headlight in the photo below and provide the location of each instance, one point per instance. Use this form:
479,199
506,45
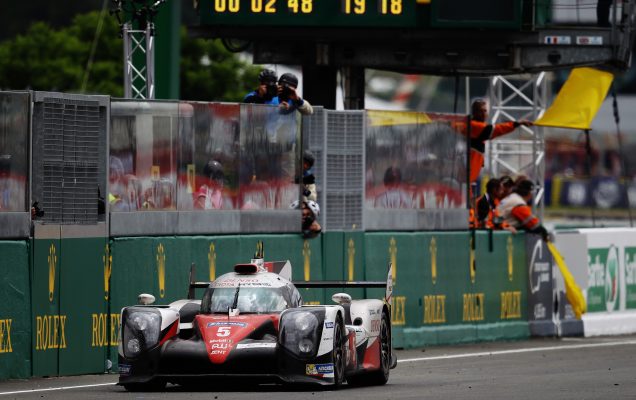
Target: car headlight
305,346
133,346
301,330
305,322
141,331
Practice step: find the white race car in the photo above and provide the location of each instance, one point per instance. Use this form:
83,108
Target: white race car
251,323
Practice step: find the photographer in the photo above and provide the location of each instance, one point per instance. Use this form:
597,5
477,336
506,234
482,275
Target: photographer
288,98
310,211
308,178
267,90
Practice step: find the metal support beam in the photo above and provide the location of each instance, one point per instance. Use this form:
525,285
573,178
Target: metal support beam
522,152
139,62
354,83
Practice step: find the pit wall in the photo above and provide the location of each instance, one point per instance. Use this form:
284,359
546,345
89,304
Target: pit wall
603,262
59,314
15,310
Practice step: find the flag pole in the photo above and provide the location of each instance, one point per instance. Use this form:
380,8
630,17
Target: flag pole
588,167
624,173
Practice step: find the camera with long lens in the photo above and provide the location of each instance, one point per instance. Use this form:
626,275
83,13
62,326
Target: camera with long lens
272,90
285,92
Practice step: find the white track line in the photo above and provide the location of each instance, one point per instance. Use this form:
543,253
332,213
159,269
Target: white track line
57,388
516,351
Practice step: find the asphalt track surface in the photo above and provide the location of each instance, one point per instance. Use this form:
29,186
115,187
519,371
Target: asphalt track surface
574,368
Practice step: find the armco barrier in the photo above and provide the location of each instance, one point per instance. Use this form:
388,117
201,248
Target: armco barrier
15,309
447,293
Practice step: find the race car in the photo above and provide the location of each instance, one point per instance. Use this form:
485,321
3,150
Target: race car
251,324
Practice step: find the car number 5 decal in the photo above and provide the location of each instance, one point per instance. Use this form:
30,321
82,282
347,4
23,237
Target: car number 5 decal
223,331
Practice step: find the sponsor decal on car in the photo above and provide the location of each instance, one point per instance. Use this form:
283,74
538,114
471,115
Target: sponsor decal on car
256,345
328,325
124,369
220,340
227,323
319,369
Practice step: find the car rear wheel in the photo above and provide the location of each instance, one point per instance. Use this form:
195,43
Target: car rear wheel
338,353
379,376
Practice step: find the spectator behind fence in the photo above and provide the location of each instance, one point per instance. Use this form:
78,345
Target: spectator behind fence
211,195
308,180
267,90
5,182
394,196
517,213
117,187
288,97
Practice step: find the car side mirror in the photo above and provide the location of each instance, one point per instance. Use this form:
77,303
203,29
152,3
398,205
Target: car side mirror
341,298
146,299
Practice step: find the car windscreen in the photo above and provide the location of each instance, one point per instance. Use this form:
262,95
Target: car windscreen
250,300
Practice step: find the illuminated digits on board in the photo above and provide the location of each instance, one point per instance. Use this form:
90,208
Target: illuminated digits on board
391,6
359,6
307,6
293,5
226,5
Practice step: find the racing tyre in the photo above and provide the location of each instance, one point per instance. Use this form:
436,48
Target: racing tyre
380,376
154,385
338,353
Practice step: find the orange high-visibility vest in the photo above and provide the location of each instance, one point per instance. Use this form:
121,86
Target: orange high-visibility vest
479,133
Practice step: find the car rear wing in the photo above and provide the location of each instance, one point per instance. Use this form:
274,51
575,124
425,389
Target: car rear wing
387,285
338,284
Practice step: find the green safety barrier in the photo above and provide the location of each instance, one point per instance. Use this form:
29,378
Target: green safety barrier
47,333
447,292
343,255
15,308
70,303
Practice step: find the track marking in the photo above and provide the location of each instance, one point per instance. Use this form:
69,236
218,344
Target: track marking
57,388
516,351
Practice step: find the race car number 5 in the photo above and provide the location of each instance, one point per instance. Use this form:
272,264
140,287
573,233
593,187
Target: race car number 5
223,331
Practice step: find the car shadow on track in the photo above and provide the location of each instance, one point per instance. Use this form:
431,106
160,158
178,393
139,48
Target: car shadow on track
249,388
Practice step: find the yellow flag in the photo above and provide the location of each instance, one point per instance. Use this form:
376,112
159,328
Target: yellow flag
572,290
578,100
390,118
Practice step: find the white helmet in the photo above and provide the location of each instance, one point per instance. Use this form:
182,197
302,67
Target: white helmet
312,205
